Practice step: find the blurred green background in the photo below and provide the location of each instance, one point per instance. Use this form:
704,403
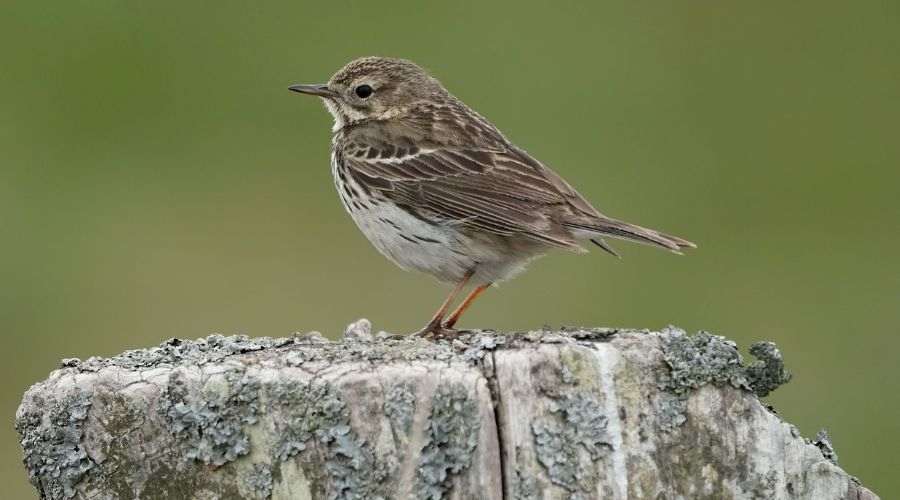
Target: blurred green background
157,179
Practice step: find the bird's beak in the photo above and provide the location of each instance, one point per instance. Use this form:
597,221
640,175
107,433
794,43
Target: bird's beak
320,90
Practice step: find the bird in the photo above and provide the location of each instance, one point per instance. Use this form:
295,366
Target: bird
437,188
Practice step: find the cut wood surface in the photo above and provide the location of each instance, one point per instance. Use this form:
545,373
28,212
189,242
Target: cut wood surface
574,414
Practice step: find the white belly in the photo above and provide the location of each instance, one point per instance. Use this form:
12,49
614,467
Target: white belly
440,250
405,240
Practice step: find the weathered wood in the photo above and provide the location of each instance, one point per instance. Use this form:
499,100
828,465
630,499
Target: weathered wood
542,415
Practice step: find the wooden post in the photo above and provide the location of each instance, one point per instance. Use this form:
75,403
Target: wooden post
576,414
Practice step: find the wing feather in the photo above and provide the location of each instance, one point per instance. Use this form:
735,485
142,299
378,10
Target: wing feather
448,165
490,190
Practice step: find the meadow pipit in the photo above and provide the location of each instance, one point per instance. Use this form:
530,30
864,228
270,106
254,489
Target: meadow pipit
437,188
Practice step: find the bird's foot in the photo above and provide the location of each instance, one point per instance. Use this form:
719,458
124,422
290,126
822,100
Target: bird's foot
435,330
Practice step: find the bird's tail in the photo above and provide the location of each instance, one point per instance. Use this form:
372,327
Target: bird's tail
597,228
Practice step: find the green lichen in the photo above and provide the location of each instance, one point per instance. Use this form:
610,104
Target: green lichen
452,435
51,432
210,425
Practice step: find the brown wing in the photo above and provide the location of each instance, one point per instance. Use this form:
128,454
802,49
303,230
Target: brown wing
467,173
499,190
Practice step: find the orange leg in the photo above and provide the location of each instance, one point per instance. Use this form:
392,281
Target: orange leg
434,325
465,305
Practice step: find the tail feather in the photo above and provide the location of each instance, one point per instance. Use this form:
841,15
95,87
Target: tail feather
600,242
631,232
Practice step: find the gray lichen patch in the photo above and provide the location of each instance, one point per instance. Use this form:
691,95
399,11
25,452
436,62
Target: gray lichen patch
210,349
701,359
312,347
301,410
768,373
51,431
595,334
569,429
314,420
400,405
671,410
452,435
823,443
256,483
525,487
479,346
210,423
305,410
570,438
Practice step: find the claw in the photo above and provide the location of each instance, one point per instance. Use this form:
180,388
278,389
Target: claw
436,330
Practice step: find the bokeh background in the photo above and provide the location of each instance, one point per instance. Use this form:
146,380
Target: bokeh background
157,180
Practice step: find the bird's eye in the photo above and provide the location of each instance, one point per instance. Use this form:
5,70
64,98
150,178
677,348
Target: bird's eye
364,91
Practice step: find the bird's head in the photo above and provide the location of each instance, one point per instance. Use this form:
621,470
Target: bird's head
375,88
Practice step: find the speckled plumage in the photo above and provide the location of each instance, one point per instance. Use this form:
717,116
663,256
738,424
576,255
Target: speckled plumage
437,188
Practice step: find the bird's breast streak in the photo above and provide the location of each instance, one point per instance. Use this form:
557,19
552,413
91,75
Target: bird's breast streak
406,240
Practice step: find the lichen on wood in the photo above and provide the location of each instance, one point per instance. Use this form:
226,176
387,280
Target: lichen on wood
576,413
